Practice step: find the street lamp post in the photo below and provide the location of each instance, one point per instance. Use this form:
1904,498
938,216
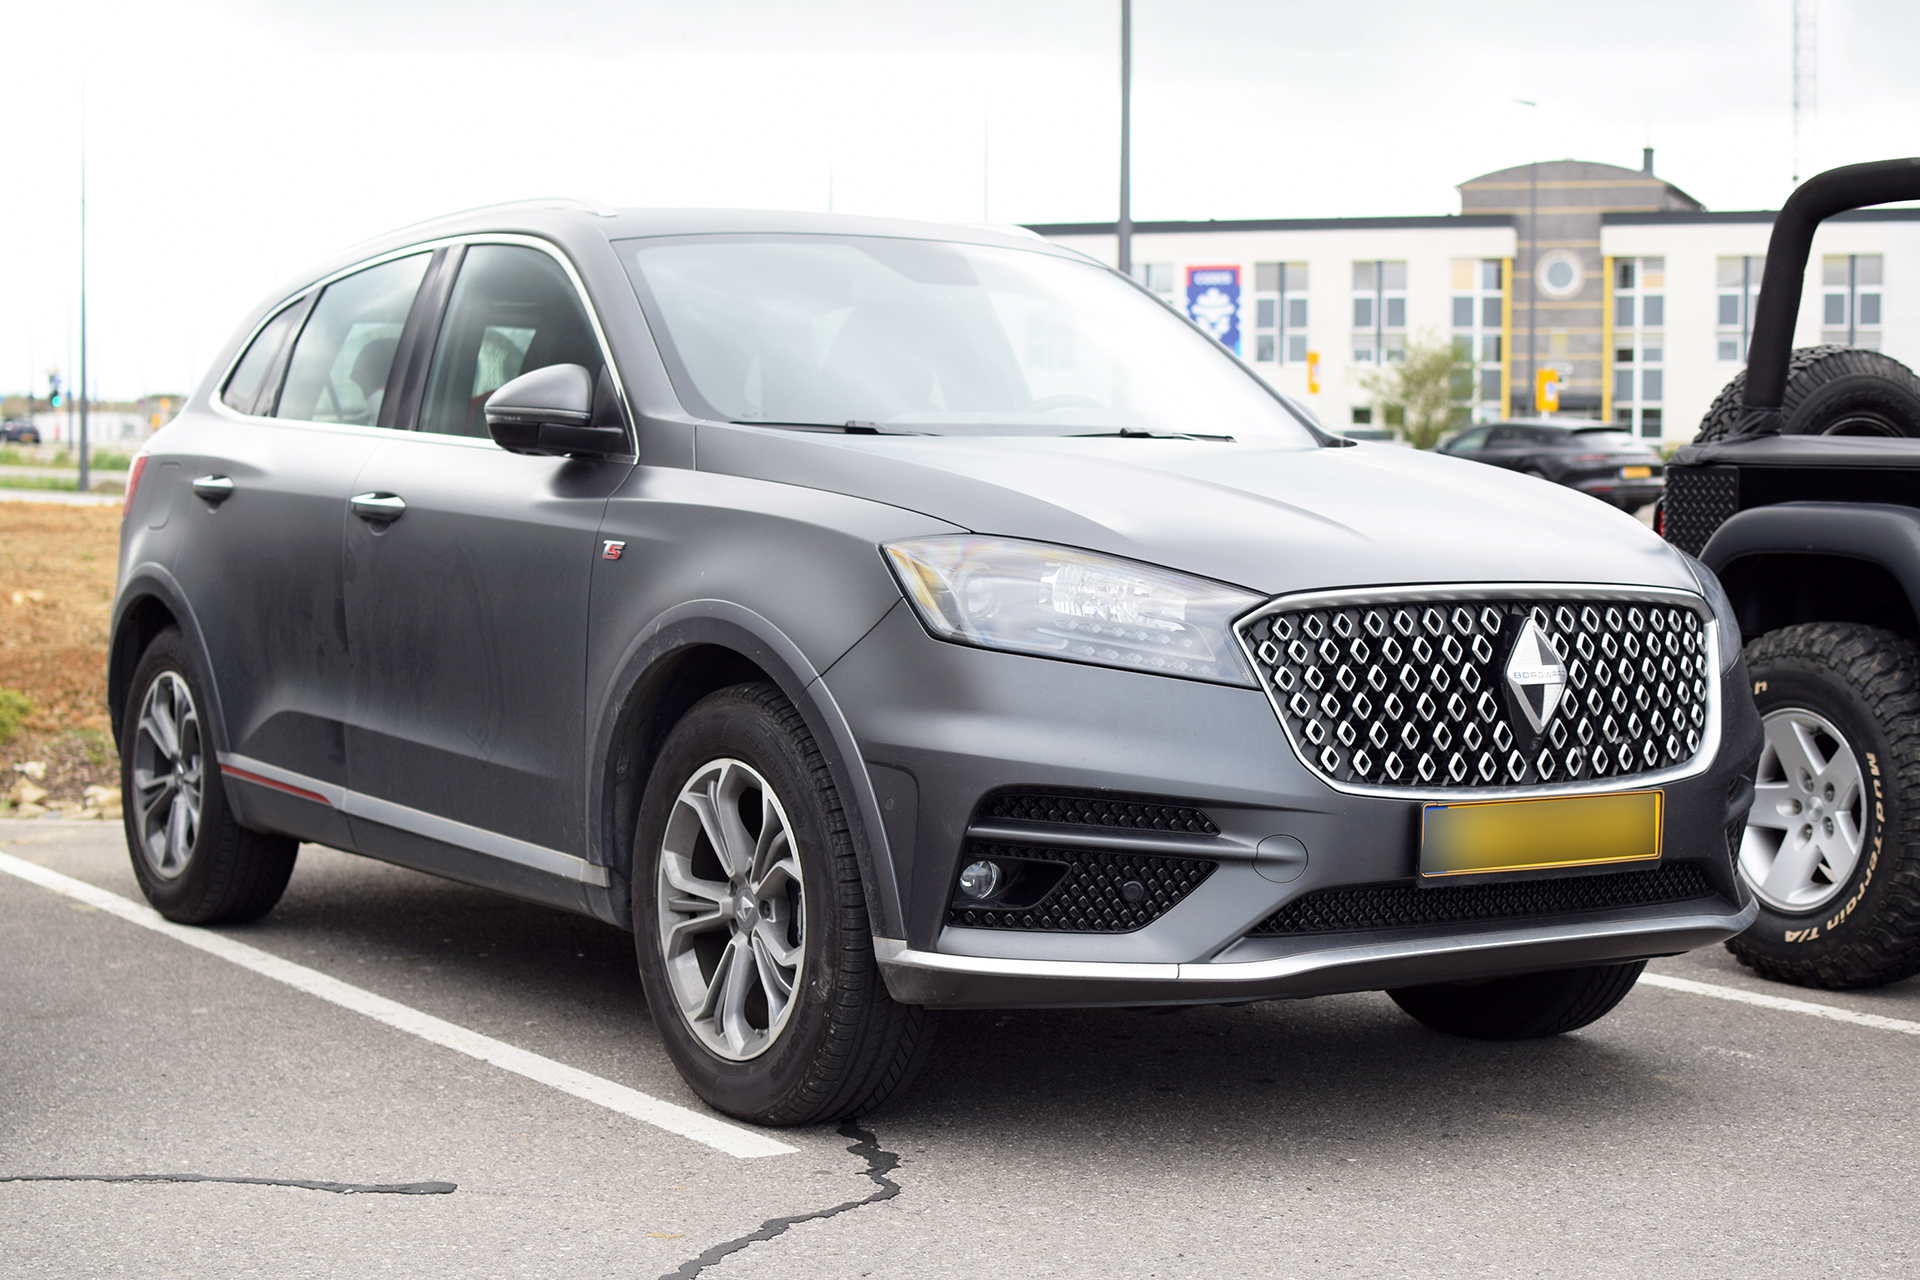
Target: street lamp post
1125,226
1532,260
83,389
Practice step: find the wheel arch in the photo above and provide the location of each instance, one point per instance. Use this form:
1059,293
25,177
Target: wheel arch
682,656
149,602
1821,562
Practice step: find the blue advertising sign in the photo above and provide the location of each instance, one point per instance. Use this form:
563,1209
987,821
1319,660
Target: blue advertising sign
1213,300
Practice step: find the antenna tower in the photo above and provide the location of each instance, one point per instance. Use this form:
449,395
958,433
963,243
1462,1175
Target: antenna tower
1806,74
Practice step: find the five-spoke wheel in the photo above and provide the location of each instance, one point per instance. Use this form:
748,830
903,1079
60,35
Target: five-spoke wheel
1809,812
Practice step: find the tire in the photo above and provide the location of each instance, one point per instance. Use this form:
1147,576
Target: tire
1844,701
1830,391
839,1045
195,864
1527,1006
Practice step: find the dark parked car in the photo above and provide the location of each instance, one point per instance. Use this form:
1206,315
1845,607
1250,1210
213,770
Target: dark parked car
19,433
877,618
1589,456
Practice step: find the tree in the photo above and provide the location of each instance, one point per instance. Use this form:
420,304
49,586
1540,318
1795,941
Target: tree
1427,391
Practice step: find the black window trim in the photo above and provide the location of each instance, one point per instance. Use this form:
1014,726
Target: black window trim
438,279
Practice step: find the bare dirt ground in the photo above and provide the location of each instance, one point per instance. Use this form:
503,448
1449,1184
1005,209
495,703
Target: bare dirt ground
57,567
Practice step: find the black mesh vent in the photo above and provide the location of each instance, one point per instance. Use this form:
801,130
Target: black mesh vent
1085,811
1091,896
1699,500
1399,906
1415,694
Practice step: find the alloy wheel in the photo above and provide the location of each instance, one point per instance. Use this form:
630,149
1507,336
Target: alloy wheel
731,909
1808,818
169,762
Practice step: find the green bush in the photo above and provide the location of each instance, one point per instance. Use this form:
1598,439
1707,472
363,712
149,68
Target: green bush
108,460
14,708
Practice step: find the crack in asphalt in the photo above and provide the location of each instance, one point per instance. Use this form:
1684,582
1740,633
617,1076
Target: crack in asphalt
879,1164
338,1188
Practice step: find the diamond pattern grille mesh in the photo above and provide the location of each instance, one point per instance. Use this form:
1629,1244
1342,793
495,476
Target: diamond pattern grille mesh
1091,895
1399,906
1415,694
1698,501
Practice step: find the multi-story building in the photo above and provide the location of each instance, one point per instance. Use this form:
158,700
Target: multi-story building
1637,297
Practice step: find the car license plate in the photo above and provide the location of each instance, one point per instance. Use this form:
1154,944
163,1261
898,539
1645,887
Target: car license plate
1481,836
1636,473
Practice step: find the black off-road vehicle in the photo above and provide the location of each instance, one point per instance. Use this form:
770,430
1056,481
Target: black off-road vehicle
1802,491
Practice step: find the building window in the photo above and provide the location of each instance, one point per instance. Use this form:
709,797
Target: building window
1379,312
1639,343
1280,312
1156,276
1362,417
1850,299
1478,288
1739,290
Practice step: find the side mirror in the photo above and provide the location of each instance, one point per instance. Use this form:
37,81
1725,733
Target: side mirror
550,412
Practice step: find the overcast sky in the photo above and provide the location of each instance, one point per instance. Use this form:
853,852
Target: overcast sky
230,144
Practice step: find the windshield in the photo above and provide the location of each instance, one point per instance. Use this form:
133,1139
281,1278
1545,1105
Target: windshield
1601,438
928,337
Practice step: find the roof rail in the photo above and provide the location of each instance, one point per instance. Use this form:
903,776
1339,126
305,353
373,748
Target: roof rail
1817,199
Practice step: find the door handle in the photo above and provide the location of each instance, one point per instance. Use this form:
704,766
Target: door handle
213,490
377,508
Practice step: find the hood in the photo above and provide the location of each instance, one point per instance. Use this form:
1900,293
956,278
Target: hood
1269,519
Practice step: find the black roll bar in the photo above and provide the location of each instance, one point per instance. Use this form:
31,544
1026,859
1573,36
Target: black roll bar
1817,199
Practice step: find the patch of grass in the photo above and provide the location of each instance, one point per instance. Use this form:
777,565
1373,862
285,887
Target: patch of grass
58,483
14,707
109,460
10,457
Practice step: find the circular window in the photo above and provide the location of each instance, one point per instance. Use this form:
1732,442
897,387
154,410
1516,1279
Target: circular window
1559,274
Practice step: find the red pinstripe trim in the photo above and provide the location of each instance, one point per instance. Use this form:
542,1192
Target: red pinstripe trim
244,776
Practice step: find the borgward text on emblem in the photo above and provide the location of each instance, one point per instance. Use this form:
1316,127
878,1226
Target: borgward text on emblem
1536,675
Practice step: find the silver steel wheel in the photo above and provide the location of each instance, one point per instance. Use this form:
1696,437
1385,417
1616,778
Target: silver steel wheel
732,909
168,765
1809,812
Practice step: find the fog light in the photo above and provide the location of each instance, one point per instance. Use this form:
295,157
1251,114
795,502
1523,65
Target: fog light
980,879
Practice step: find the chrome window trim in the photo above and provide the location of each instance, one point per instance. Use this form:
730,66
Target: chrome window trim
547,247
1388,595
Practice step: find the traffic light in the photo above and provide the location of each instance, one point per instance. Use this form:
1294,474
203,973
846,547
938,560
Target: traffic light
53,390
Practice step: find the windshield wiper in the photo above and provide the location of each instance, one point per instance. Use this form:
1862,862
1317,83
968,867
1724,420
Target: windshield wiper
852,427
1131,433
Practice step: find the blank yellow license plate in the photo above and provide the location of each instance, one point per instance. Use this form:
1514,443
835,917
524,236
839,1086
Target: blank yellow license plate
1531,835
1636,473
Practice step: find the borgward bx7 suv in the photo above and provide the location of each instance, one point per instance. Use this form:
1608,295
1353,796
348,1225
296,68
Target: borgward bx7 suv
876,618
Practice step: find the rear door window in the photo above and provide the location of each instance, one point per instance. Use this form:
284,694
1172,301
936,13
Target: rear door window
513,310
250,375
344,355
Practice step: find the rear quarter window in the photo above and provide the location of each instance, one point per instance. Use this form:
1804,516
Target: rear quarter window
242,393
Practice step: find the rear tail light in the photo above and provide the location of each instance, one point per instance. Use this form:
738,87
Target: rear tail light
133,482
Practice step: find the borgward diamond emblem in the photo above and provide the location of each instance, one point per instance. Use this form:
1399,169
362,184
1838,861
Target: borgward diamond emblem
1536,675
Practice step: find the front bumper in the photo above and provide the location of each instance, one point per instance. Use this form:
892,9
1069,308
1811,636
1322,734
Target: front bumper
942,726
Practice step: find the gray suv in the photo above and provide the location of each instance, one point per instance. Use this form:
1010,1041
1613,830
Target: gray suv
876,618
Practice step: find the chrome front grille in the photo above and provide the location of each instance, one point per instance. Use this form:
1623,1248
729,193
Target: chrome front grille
1414,692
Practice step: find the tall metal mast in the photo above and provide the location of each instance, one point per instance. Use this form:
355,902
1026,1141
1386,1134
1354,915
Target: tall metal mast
1126,137
1806,73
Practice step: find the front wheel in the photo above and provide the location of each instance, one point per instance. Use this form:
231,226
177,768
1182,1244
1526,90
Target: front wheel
1829,848
195,864
751,927
1526,1006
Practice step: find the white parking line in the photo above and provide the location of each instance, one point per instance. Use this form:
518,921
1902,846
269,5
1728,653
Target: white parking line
1781,1003
705,1129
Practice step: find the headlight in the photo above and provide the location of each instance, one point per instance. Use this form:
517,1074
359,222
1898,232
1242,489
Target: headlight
1723,615
1027,597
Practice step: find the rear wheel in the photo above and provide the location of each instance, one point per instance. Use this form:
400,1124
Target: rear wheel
751,927
1526,1006
1831,391
1828,848
195,864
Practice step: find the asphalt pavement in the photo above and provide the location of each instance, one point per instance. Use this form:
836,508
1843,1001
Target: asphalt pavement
489,1126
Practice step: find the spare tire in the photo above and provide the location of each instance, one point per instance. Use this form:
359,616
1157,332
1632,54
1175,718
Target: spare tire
1831,391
